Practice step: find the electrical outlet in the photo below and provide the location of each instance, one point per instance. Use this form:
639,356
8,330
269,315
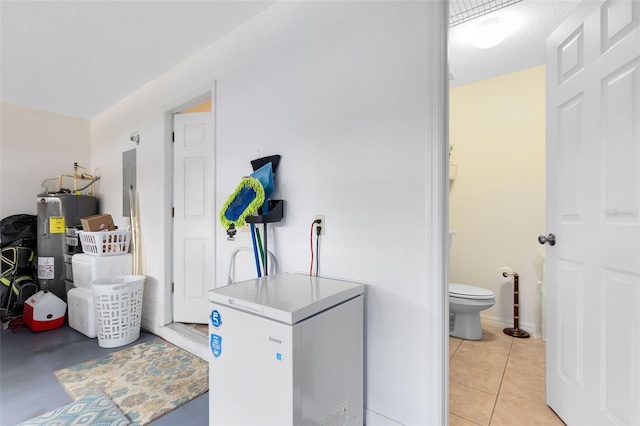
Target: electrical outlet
323,223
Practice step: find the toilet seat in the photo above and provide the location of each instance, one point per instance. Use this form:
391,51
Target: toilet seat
463,291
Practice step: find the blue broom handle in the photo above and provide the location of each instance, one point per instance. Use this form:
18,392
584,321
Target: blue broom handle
255,248
266,248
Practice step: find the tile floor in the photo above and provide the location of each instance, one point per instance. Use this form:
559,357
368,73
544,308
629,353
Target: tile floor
499,380
201,328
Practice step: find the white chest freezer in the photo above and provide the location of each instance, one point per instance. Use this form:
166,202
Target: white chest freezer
286,349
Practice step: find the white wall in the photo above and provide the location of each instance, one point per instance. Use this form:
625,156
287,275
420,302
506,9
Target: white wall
340,90
497,203
36,145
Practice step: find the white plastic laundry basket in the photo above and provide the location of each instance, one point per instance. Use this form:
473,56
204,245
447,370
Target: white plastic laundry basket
118,303
104,243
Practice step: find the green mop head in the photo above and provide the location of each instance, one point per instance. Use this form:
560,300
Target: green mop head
245,201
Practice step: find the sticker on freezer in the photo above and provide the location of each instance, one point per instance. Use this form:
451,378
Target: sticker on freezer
216,319
216,345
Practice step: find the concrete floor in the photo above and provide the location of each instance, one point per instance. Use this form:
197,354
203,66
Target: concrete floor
28,387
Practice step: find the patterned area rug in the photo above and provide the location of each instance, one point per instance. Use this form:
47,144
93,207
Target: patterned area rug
145,381
94,410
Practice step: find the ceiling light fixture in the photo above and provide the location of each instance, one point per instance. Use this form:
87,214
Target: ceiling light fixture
489,33
461,11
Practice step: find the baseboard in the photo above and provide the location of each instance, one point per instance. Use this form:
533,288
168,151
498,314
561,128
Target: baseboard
497,322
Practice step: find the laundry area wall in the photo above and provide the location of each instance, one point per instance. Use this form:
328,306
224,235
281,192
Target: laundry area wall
36,145
497,202
340,90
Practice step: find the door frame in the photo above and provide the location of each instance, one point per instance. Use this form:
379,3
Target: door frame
437,202
189,100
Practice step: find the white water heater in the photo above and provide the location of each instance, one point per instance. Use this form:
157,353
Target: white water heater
58,220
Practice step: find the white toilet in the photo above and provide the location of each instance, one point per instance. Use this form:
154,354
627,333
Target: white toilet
465,304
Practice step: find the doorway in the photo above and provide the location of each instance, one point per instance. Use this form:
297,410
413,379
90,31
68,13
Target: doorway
497,137
193,215
191,165
195,116
497,204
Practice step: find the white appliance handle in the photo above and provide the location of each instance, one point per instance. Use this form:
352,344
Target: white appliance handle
245,306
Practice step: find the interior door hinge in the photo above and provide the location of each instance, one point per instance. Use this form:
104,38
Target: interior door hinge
173,136
172,287
173,212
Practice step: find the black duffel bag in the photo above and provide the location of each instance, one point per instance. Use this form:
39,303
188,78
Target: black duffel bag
19,230
18,280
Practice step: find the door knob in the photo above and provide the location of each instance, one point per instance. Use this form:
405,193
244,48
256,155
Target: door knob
551,239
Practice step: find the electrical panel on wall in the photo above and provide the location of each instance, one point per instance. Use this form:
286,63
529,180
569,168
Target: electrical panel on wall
128,178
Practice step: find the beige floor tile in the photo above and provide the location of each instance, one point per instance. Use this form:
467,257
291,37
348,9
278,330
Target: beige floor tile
476,374
510,413
487,357
470,404
454,343
524,390
529,348
491,328
492,338
526,367
497,331
202,328
515,368
459,421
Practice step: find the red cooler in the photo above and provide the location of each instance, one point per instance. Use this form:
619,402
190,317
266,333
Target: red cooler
44,311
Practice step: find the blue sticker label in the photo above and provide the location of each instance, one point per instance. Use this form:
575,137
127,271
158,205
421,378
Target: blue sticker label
216,319
216,345
278,356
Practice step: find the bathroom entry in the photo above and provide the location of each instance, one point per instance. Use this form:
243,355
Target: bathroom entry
193,212
496,202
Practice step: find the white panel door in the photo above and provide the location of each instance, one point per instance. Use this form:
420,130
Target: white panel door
193,222
593,208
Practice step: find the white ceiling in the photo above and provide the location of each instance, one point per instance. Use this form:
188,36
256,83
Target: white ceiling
533,20
79,58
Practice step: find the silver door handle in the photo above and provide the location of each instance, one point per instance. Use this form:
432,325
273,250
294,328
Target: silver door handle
551,239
